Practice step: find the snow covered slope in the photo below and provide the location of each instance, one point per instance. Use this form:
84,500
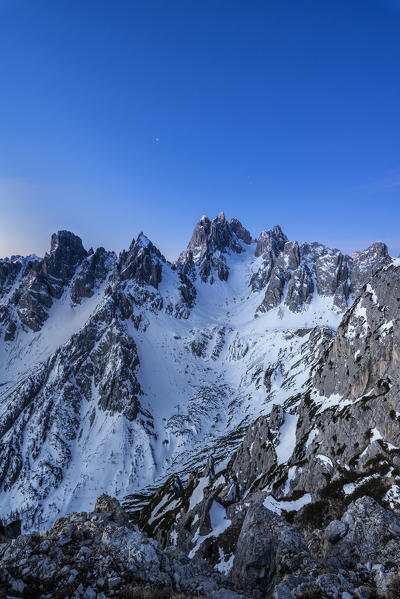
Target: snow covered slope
314,457
117,372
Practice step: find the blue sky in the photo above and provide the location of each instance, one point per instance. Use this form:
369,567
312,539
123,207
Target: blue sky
121,116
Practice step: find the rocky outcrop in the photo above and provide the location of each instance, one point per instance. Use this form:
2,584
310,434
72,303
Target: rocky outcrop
99,554
274,291
270,244
66,253
94,270
366,347
256,455
268,549
210,241
216,235
142,262
239,230
366,530
300,289
366,264
292,274
40,282
9,270
332,274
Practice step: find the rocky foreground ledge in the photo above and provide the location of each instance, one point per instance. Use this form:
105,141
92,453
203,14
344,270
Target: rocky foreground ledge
99,555
102,554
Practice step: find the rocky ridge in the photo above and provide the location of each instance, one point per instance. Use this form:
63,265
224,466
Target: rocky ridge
100,554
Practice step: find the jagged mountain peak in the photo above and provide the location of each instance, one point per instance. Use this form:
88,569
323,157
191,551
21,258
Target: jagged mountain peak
271,242
142,262
66,252
65,238
240,231
210,236
210,241
143,242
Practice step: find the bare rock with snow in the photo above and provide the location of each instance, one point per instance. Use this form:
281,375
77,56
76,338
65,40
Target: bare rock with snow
102,551
210,242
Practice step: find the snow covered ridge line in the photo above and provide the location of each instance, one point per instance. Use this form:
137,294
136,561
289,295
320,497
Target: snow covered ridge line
118,372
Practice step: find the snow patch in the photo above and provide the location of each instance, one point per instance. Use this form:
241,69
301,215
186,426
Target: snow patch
277,506
287,438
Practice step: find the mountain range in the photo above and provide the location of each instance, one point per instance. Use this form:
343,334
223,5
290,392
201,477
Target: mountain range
251,385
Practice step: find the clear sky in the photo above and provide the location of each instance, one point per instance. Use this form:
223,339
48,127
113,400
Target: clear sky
119,116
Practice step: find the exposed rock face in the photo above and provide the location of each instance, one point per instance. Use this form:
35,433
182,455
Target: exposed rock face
239,230
10,531
268,549
367,344
66,252
210,241
112,507
367,263
41,282
291,255
288,272
300,289
255,455
274,292
266,555
218,234
94,270
271,243
47,279
142,262
365,530
331,272
99,554
9,270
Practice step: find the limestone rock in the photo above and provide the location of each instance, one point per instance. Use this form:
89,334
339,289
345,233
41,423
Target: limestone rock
142,262
271,243
267,549
210,241
103,551
256,454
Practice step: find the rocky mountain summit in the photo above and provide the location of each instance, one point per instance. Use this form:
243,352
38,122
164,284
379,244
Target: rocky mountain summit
242,403
210,242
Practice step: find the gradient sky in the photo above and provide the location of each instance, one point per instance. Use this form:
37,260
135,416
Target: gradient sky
119,116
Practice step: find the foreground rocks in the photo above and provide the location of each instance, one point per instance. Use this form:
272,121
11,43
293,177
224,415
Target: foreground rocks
358,555
100,555
271,555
